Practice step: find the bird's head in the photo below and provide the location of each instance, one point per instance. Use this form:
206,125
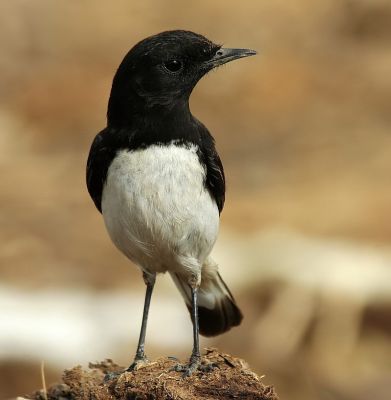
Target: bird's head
162,70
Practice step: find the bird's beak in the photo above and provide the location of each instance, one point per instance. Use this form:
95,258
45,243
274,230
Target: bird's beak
224,55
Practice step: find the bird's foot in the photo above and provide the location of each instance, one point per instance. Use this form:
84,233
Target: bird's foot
112,375
195,364
139,362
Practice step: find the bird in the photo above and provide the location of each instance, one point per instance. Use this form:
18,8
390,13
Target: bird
155,176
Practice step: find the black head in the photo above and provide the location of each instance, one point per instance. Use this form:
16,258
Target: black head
162,70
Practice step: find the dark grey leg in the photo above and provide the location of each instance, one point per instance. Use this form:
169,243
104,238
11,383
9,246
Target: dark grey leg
140,357
195,355
195,358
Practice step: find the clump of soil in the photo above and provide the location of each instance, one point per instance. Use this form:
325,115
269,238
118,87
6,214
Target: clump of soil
231,379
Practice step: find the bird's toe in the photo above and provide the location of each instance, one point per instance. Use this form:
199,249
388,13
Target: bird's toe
137,364
112,375
194,366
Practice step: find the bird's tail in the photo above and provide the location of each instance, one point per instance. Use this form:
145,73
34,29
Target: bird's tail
217,310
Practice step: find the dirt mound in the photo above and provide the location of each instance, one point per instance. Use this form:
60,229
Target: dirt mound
231,379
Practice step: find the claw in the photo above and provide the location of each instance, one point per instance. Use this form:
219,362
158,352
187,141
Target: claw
208,367
194,366
137,364
112,375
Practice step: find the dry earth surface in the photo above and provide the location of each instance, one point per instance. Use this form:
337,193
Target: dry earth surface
230,379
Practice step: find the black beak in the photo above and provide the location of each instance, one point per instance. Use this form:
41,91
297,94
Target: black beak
224,55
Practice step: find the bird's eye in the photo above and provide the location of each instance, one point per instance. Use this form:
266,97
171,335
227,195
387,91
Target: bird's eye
173,66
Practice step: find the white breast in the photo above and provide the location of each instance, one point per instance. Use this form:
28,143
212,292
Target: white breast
157,210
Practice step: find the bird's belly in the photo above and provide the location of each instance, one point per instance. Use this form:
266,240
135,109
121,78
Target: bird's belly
157,210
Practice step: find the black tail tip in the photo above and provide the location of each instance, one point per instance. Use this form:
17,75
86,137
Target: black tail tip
222,318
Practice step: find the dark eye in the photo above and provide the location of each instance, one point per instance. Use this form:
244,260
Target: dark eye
173,65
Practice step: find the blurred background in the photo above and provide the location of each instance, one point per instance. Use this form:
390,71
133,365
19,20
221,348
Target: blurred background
304,131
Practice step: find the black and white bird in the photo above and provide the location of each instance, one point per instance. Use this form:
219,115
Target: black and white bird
156,177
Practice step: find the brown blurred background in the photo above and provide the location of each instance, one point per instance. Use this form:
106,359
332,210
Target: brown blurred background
304,131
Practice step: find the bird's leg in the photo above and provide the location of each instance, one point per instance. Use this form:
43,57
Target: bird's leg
195,358
140,358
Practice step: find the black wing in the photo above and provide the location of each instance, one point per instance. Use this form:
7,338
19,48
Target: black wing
100,157
215,178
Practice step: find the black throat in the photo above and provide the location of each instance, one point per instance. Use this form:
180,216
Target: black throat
145,122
